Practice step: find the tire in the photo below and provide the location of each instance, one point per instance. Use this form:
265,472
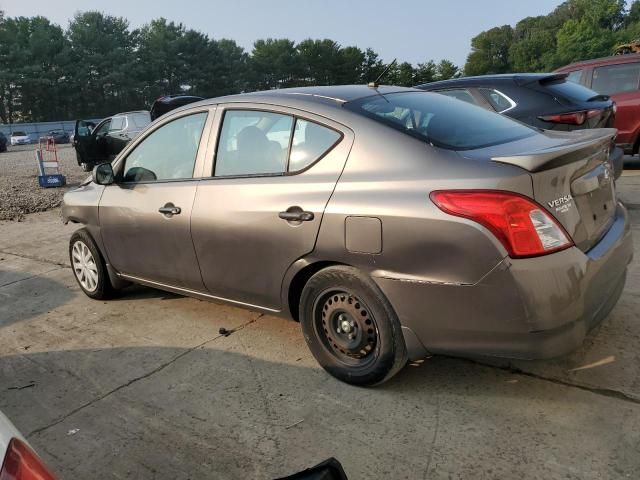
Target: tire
366,350
88,266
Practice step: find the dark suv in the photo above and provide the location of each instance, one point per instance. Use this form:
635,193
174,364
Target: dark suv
100,143
544,100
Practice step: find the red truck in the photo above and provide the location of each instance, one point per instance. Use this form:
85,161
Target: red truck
619,77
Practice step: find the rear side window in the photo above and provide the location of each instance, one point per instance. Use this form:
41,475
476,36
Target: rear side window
168,153
498,100
265,143
439,120
253,143
310,142
460,94
140,120
616,78
569,90
117,123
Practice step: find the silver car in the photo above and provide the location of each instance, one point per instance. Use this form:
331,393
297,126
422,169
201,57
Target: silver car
392,223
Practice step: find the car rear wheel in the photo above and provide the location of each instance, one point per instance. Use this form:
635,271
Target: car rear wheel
88,266
350,327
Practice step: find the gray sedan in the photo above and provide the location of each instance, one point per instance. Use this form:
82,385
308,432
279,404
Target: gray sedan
392,223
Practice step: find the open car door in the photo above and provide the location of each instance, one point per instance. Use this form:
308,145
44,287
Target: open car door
89,142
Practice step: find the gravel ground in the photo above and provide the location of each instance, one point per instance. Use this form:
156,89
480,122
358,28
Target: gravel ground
19,190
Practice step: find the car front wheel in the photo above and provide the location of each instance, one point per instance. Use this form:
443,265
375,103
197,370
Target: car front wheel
88,266
350,327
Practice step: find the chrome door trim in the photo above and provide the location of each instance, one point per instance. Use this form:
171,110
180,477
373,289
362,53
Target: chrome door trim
191,293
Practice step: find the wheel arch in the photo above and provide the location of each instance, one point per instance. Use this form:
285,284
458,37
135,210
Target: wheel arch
297,277
116,281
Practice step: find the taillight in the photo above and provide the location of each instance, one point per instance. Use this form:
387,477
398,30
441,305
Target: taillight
521,225
574,118
20,463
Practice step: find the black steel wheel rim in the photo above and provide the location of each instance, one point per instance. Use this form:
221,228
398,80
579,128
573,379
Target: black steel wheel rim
346,327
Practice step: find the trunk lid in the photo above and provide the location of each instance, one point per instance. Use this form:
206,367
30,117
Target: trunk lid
572,178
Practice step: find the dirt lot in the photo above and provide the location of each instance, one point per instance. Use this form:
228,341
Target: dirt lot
144,387
19,190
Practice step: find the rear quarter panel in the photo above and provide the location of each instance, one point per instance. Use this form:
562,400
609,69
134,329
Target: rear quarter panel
389,176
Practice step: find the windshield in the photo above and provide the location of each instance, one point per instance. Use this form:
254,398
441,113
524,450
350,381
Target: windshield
443,121
18,134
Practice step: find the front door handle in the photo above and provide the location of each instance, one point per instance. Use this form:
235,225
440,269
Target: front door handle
296,214
169,210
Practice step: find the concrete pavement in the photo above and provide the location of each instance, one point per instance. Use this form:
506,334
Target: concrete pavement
144,387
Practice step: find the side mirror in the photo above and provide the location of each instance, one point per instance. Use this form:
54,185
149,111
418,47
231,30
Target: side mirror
103,174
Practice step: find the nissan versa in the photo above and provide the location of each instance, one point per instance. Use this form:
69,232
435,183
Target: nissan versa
392,223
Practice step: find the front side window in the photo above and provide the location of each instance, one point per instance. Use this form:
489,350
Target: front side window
460,94
441,121
498,100
616,78
168,153
103,128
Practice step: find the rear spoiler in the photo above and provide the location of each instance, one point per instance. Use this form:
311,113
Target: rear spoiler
521,80
588,143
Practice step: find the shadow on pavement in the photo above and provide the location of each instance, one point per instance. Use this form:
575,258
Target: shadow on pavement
222,412
42,294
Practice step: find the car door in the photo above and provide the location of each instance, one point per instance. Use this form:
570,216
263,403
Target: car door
116,138
85,141
261,206
145,216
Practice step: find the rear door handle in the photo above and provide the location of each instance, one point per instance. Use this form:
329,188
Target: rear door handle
170,209
296,214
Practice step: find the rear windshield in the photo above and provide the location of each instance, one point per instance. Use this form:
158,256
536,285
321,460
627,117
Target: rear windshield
569,90
440,120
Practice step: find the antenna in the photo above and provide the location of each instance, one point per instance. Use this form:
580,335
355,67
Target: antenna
375,83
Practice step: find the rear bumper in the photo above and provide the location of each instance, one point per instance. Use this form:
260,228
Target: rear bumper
526,308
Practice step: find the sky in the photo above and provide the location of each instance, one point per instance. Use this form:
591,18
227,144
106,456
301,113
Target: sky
409,30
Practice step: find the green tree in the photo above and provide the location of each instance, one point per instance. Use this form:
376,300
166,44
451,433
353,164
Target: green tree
32,77
490,52
426,72
372,66
103,56
534,45
274,63
590,33
446,70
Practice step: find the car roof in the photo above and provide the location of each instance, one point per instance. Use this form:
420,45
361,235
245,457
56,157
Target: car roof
129,113
613,59
518,78
324,95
